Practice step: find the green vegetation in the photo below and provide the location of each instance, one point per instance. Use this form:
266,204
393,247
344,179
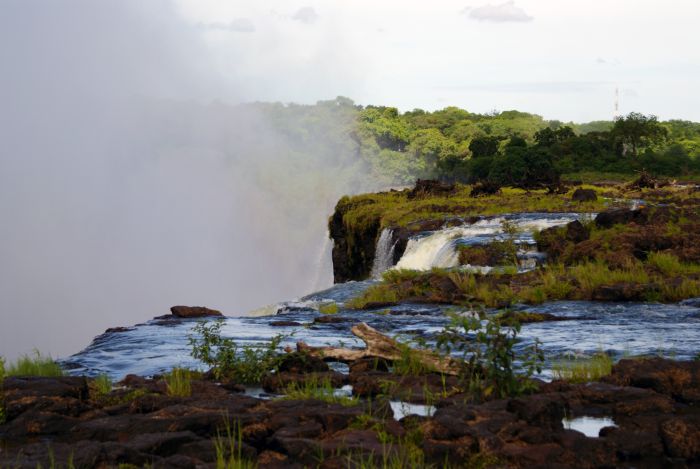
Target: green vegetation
229,449
36,365
583,370
485,344
245,364
318,389
392,209
178,382
329,308
100,386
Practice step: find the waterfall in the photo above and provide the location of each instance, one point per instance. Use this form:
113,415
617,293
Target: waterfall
439,248
323,277
384,253
434,250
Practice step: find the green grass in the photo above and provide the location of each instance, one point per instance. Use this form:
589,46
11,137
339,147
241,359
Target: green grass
410,362
391,209
591,275
229,449
328,308
669,265
583,370
375,294
178,382
36,365
322,390
100,386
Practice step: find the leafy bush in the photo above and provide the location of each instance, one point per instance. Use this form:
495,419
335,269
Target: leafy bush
486,346
245,364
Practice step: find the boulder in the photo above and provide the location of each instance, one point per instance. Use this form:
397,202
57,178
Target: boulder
193,312
584,195
430,187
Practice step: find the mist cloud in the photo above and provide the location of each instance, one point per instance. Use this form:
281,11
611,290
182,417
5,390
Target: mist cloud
305,15
124,189
498,13
239,25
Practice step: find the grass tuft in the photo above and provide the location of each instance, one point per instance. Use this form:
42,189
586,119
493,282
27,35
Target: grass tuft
178,382
36,365
328,308
322,390
583,370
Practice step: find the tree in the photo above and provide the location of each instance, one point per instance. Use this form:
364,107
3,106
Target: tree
484,146
636,131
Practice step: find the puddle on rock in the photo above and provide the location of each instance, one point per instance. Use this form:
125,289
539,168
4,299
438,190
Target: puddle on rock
589,426
402,409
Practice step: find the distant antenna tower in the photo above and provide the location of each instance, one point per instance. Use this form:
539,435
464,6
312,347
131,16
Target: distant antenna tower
616,114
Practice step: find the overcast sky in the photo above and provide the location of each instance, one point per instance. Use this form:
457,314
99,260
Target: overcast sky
558,58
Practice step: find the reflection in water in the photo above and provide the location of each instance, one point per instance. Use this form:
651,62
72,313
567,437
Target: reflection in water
589,426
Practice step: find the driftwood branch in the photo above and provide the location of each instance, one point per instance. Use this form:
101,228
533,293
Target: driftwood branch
379,346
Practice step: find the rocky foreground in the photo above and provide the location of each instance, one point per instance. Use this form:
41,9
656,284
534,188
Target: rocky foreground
653,403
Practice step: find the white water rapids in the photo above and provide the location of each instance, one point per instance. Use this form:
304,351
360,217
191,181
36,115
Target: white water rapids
384,253
438,249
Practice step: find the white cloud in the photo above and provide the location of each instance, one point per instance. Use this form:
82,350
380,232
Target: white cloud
306,15
501,13
239,25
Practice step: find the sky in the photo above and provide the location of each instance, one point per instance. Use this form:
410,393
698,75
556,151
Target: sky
562,59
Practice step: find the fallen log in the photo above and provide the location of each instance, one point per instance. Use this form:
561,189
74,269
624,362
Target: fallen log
379,345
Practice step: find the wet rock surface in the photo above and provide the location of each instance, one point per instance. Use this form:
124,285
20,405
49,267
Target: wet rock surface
193,312
652,402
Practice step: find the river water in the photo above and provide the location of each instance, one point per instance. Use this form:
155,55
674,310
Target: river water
617,328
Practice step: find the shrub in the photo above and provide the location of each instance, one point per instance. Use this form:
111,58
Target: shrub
486,346
245,364
178,382
38,365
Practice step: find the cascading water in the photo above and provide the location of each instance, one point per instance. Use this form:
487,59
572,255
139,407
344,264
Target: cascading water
384,253
439,249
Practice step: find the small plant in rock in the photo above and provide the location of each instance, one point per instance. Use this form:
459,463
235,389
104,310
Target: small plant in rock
486,346
100,386
245,364
229,449
178,382
322,390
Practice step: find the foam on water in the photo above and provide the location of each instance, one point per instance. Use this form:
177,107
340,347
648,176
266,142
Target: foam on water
439,248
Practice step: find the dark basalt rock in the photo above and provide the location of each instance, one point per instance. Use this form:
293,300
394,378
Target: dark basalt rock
430,187
657,423
584,195
193,311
